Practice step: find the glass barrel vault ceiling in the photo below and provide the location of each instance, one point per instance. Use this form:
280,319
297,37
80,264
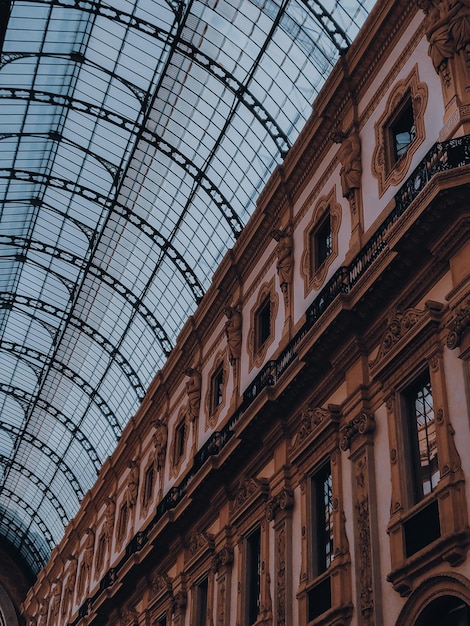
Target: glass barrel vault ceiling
134,141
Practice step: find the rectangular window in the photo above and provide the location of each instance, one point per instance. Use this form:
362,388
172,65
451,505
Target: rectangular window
122,522
180,441
422,438
322,518
217,388
148,485
253,574
322,242
101,552
263,323
201,603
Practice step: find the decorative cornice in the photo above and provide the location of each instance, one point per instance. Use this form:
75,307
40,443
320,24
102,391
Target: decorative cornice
313,420
249,490
402,327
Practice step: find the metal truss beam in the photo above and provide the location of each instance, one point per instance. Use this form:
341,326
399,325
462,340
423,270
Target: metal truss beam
26,400
231,216
38,482
192,52
37,560
108,203
33,514
27,354
77,57
47,451
98,273
9,300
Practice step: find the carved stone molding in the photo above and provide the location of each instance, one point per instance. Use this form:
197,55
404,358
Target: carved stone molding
285,259
364,564
401,328
363,424
313,421
459,326
280,502
313,276
248,492
162,584
257,354
386,172
193,389
225,556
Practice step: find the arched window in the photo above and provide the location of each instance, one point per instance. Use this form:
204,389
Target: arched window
445,611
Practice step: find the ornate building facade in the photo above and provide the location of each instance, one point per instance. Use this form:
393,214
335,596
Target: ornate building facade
302,457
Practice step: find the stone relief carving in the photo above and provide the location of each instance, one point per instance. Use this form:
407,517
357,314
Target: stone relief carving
233,331
109,515
221,604
310,419
282,501
160,440
362,424
193,389
56,598
281,578
459,326
447,27
285,259
349,155
199,542
132,483
89,547
247,488
364,540
398,326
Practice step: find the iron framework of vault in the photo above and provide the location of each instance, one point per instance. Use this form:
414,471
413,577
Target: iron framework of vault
134,141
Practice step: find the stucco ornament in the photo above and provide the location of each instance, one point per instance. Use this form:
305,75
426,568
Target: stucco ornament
233,331
285,259
193,389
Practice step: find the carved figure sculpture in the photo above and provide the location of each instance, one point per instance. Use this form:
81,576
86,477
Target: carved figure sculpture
109,515
233,330
193,389
285,257
160,439
132,484
349,155
89,547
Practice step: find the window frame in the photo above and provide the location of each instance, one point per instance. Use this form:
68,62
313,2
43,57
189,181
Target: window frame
313,269
410,347
257,349
388,169
217,384
122,523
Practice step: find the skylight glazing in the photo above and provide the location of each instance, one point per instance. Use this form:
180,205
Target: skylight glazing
134,141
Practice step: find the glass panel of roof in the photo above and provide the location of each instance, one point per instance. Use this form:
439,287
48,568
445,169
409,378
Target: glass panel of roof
183,127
